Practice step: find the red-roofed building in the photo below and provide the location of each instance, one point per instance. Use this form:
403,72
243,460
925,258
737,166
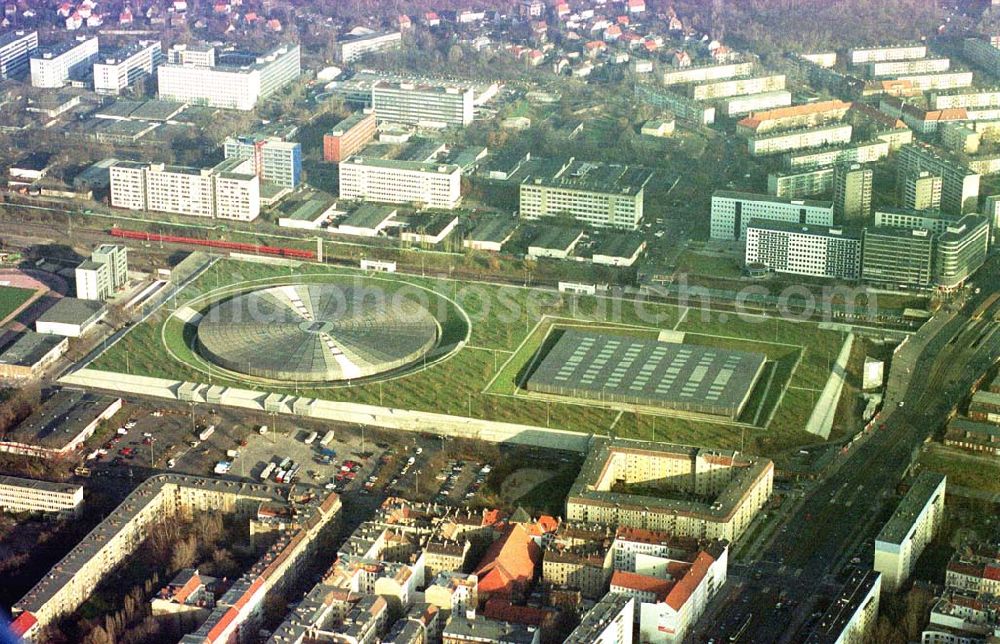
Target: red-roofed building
405,22
23,625
644,588
503,610
431,19
636,6
508,568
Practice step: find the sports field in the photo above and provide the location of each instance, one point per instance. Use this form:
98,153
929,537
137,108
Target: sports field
489,335
12,298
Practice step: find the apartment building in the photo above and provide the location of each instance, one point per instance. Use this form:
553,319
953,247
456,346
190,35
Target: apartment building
422,104
114,71
739,484
799,184
817,251
610,621
31,495
227,79
273,159
851,617
959,185
934,221
231,190
453,593
595,194
980,99
865,55
794,117
897,256
52,67
959,617
736,87
433,185
960,137
732,211
975,568
852,193
931,82
166,497
681,106
703,73
351,48
922,191
349,136
864,152
100,277
739,105
902,68
16,49
983,54
775,142
909,530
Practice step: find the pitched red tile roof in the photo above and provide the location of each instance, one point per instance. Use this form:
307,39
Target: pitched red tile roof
22,624
642,583
687,584
501,609
509,564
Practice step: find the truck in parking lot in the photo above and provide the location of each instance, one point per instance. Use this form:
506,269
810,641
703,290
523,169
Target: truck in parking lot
205,433
327,438
310,438
267,471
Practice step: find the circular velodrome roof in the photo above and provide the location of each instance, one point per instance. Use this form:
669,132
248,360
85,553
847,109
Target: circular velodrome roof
315,332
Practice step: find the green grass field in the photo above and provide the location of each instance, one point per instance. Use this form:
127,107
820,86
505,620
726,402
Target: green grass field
962,468
480,379
12,298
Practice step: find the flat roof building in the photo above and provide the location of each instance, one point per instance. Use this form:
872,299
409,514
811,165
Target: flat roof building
912,526
70,317
555,242
608,622
16,48
701,73
960,250
800,184
738,105
423,104
61,424
712,494
619,249
351,48
595,194
228,79
864,55
274,160
349,136
735,87
851,617
116,70
777,142
52,67
959,185
30,354
852,193
973,436
367,221
897,257
100,277
490,234
817,251
681,106
427,184
633,371
732,212
31,495
863,152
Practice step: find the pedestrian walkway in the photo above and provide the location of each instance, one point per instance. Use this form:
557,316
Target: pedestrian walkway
821,420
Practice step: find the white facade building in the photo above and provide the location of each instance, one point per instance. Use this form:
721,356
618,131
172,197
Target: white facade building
909,530
350,49
732,212
814,137
116,71
103,274
16,48
803,250
420,104
53,67
434,185
30,495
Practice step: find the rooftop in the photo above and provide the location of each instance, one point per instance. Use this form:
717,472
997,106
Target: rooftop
919,497
556,237
485,629
597,618
52,51
60,418
29,348
369,216
620,245
752,196
70,310
840,613
792,227
395,164
35,484
495,229
351,121
595,177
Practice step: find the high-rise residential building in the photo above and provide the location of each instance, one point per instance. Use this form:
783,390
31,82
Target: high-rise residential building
799,184
776,142
601,195
911,527
227,79
349,136
932,220
851,616
959,185
732,212
817,251
422,104
864,152
897,257
274,160
230,190
610,621
960,250
16,48
103,274
852,193
353,47
52,67
434,185
922,191
864,55
114,71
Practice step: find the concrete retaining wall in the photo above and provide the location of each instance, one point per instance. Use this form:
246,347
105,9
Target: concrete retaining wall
291,404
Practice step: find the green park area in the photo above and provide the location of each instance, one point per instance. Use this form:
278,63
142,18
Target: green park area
504,327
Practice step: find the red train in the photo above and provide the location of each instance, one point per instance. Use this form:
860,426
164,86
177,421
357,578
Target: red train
256,249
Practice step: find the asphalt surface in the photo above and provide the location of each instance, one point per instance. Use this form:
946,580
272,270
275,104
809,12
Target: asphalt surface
839,518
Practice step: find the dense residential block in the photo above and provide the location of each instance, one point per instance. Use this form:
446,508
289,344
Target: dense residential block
959,185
